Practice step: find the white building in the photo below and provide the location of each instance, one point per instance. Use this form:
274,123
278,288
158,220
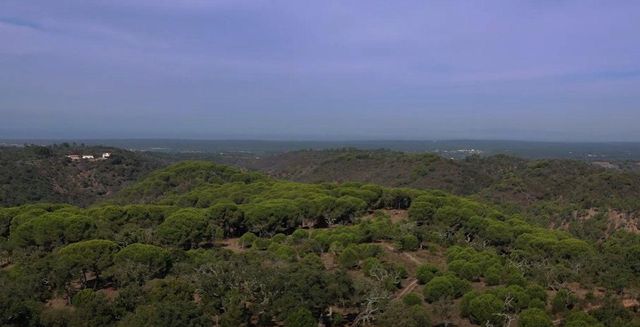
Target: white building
87,156
106,155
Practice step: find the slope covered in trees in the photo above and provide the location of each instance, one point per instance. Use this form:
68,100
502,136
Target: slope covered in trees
44,174
550,189
589,201
200,244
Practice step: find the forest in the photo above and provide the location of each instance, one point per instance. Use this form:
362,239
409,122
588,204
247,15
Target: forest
204,244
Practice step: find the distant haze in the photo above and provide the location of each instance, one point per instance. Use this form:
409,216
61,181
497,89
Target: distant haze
327,70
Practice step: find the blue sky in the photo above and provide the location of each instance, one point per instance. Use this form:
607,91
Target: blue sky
533,70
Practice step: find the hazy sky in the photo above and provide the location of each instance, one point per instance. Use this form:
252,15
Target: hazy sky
541,70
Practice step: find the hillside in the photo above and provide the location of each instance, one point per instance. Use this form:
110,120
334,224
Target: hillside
201,244
584,198
558,192
543,187
44,174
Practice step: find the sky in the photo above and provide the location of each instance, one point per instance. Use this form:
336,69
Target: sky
204,69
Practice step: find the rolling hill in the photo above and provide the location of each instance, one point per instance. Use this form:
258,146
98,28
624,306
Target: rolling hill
44,174
554,191
202,244
499,178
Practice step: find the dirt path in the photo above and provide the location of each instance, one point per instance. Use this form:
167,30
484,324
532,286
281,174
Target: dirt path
413,283
233,244
408,289
406,254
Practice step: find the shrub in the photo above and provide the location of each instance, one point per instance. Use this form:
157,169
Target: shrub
536,291
493,275
301,317
348,258
408,242
537,303
422,212
443,287
485,308
367,250
520,298
247,239
516,278
465,270
369,264
534,318
412,299
398,315
299,234
580,319
564,300
279,238
465,303
425,273
261,244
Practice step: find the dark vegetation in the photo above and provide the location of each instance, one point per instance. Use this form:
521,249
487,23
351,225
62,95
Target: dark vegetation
550,191
200,244
44,174
600,151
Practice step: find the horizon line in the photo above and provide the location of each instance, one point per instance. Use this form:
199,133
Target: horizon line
316,140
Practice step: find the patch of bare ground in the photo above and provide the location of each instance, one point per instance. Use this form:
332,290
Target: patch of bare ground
7,267
620,220
627,300
581,292
435,256
616,220
328,260
389,247
411,260
233,244
110,292
56,303
605,164
396,215
390,254
631,303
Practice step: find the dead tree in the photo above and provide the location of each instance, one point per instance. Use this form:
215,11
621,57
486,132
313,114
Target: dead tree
371,306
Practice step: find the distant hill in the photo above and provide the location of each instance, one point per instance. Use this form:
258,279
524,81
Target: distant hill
31,174
505,180
554,191
458,149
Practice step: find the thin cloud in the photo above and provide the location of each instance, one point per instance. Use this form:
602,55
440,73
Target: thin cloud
20,23
407,69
